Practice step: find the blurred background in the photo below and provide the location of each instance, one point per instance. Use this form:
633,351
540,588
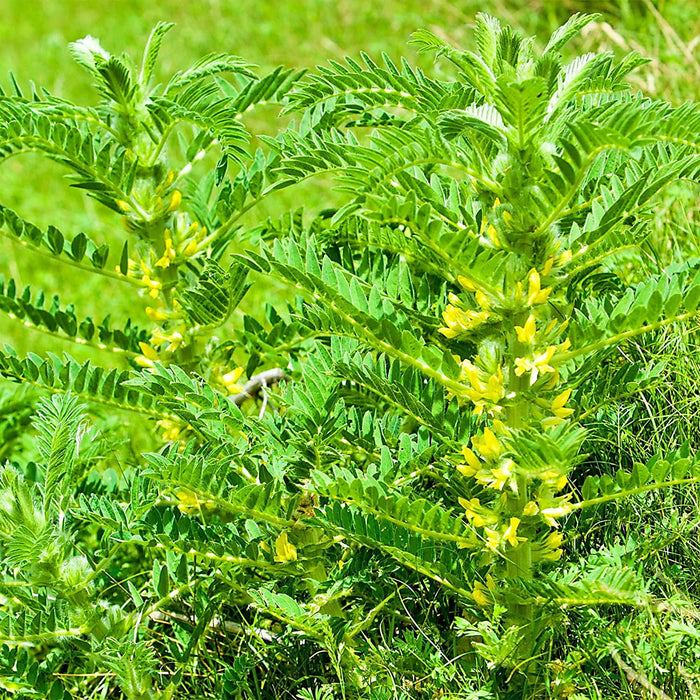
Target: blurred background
294,33
307,32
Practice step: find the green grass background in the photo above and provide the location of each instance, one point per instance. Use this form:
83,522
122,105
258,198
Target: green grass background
306,32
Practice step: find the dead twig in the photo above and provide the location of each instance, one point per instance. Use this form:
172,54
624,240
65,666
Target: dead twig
258,383
634,676
216,624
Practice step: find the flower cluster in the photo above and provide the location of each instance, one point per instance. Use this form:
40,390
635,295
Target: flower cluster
513,382
171,429
537,364
162,343
485,390
495,469
459,321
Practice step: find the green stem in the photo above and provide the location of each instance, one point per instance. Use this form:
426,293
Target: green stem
67,261
633,492
626,335
73,339
519,564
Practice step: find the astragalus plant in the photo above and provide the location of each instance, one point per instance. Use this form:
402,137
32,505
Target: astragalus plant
159,157
476,282
398,518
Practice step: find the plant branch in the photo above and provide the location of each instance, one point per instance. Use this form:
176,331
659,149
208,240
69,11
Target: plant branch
258,383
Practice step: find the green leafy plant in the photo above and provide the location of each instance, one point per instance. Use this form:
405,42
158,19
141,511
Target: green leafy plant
136,153
402,515
511,192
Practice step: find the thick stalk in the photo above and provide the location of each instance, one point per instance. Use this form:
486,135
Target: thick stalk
519,559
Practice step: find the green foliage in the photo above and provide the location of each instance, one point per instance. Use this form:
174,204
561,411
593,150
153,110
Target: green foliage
388,485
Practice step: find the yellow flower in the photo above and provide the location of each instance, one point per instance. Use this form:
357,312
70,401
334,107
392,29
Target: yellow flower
473,464
499,426
531,508
558,409
564,258
497,478
554,540
551,514
548,266
483,388
169,252
494,390
190,249
149,351
476,514
171,429
482,300
493,235
507,218
230,378
487,444
526,333
556,555
470,510
155,314
150,355
550,547
471,372
535,294
554,478
284,550
154,286
175,200
493,539
559,402
552,381
479,594
460,321
159,338
510,535
537,365
466,284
